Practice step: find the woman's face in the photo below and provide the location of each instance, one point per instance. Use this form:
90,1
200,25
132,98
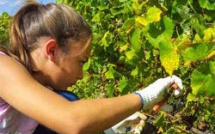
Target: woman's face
71,65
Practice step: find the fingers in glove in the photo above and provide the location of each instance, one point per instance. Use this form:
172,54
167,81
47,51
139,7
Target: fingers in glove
158,105
161,103
178,81
179,89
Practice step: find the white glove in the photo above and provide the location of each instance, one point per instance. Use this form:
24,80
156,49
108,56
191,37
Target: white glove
157,91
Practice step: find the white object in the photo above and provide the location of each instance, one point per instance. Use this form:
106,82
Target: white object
133,123
156,91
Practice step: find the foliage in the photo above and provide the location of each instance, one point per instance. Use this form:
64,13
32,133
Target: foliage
138,41
4,28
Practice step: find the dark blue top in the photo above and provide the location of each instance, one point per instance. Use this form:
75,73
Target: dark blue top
66,94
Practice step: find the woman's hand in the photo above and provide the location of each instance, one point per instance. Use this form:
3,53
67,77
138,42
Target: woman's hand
157,91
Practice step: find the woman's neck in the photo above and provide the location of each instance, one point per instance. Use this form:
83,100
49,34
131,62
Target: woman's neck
37,64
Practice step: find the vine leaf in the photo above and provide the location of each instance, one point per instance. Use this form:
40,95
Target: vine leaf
160,120
135,39
153,15
130,54
158,33
141,21
110,89
110,73
202,79
127,26
169,57
208,4
209,34
104,39
123,83
197,52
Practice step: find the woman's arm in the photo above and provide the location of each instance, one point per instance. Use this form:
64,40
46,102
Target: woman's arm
19,89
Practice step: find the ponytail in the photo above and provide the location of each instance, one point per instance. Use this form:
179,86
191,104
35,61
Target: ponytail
18,43
35,20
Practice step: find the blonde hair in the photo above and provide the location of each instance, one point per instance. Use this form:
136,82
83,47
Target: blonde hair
35,20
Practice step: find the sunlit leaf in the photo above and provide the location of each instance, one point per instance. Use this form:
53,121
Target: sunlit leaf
191,97
169,57
130,54
153,14
141,21
97,17
86,65
135,72
211,55
123,48
106,39
209,34
110,73
135,39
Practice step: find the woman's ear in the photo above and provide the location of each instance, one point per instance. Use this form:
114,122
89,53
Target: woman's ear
51,46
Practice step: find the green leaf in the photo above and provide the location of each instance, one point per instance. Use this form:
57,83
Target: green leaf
153,14
202,80
128,25
135,39
161,31
137,6
169,27
135,72
106,39
102,7
160,120
110,73
123,83
110,89
198,24
208,115
117,10
87,65
130,54
184,12
191,97
197,52
97,17
207,4
212,67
